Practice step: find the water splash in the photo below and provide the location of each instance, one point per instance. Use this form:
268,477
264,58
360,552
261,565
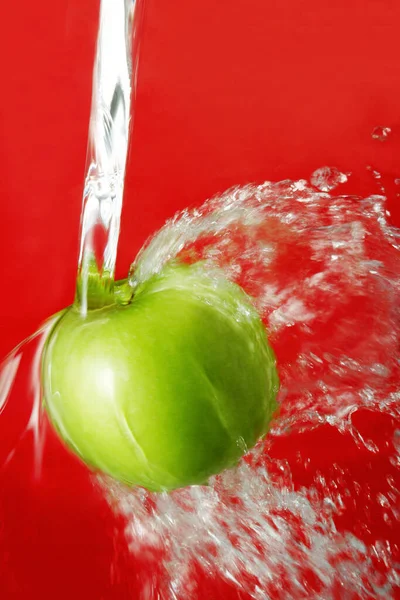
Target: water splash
252,528
327,179
29,354
324,273
318,268
381,133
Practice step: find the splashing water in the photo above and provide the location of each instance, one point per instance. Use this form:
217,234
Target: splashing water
324,273
25,362
327,179
381,133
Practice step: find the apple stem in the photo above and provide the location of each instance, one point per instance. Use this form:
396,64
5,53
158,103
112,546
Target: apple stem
114,80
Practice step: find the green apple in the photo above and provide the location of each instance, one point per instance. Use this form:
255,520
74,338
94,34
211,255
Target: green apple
167,390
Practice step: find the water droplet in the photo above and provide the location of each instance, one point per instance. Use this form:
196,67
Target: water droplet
383,501
375,174
378,178
381,133
241,443
327,178
8,372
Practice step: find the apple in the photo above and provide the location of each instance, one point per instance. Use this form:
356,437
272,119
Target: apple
167,390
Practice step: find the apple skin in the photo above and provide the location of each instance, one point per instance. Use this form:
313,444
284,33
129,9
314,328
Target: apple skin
168,390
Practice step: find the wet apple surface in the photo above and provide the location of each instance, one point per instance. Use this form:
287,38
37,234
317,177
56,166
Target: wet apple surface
167,390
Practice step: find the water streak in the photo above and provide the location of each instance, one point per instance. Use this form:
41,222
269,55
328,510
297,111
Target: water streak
30,351
111,115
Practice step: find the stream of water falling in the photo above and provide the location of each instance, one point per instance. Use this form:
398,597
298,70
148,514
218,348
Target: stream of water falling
110,121
324,272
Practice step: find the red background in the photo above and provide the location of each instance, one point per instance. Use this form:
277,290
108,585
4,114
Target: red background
229,92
